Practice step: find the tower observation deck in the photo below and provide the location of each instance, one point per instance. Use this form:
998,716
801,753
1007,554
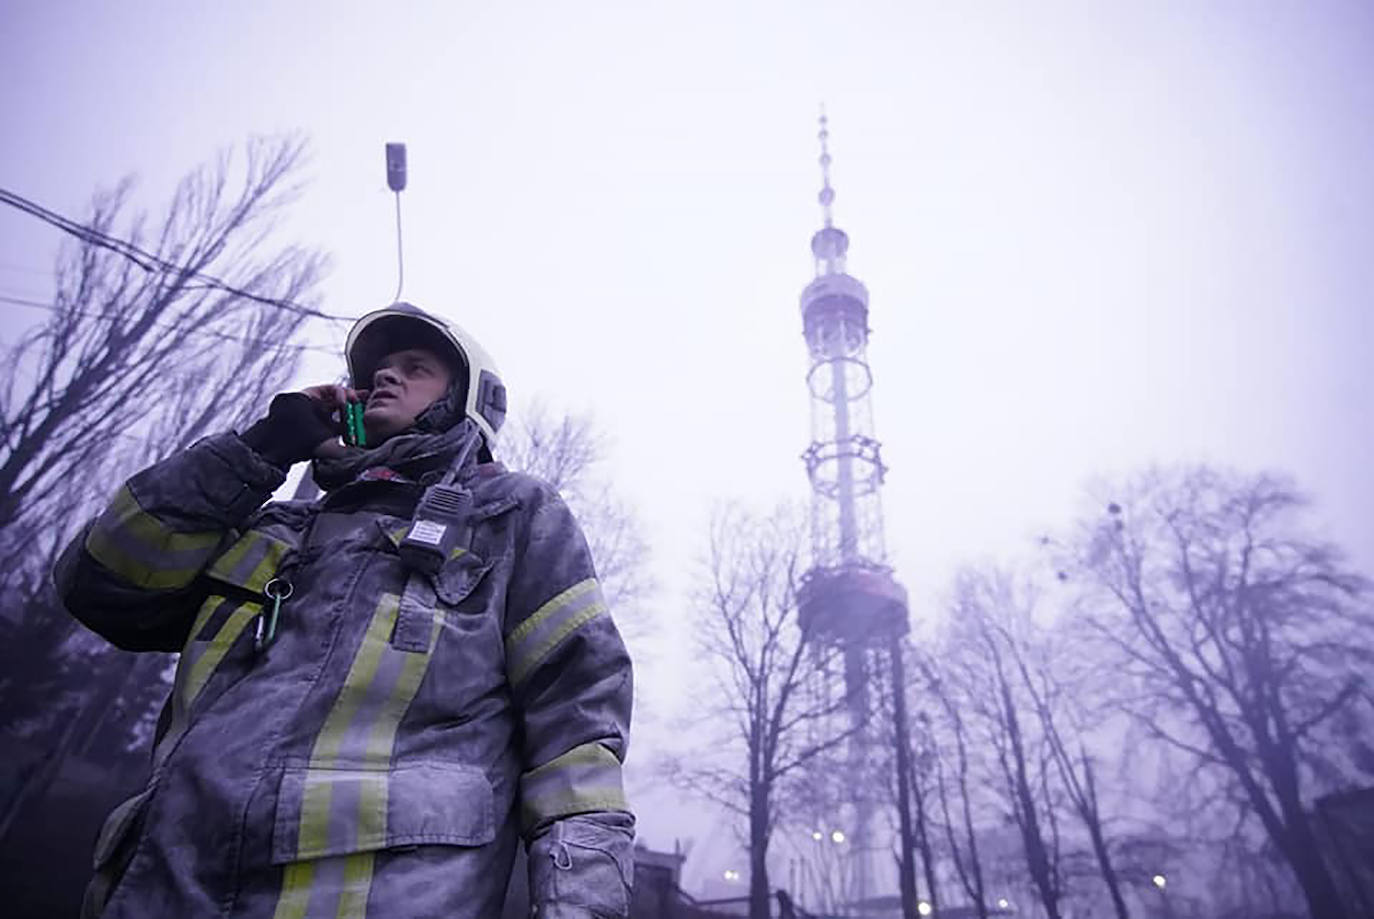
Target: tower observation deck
848,598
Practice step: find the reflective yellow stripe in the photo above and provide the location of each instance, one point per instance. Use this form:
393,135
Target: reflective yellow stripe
295,891
534,638
250,562
231,558
198,662
143,551
383,735
357,883
314,832
360,676
207,609
219,646
523,630
125,515
314,823
372,801
137,574
586,778
343,808
107,549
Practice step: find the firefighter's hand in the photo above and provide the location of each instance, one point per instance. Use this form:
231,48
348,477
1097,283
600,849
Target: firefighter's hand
331,398
296,427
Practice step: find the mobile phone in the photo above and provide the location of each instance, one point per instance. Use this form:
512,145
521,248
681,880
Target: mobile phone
354,434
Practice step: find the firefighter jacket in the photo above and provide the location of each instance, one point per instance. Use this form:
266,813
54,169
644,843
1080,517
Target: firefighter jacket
382,749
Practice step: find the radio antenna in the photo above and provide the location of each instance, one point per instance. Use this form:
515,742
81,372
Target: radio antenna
396,181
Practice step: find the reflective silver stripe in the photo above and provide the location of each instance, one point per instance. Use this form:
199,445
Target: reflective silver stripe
298,880
586,778
533,639
199,660
145,552
326,888
343,798
251,561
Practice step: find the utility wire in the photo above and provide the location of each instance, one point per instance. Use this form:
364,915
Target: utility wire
400,262
37,304
150,262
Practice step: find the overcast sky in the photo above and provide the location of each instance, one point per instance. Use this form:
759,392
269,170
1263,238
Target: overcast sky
1096,235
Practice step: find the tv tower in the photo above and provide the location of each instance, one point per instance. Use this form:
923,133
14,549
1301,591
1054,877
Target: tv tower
849,598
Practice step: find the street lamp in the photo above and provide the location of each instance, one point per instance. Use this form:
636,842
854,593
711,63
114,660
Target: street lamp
817,835
1002,903
837,837
1160,882
923,908
731,874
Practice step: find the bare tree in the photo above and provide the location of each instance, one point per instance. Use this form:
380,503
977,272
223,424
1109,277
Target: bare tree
139,356
1242,638
921,774
768,696
987,631
183,327
1058,691
567,451
808,804
953,778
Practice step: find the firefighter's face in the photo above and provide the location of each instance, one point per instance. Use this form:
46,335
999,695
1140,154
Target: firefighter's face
405,384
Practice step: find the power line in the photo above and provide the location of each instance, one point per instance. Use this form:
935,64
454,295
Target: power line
37,304
25,269
400,261
147,260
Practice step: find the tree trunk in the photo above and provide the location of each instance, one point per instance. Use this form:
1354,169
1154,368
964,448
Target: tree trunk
1318,887
1092,818
758,859
1037,859
1106,869
927,854
907,865
975,864
1299,842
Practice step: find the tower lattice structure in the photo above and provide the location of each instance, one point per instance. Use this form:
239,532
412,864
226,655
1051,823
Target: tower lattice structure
848,598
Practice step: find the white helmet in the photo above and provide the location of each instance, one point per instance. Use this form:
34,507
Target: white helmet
404,325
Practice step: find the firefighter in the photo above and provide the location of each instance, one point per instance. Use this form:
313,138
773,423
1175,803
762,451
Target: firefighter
358,726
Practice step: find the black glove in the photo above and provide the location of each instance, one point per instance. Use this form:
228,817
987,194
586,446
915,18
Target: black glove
295,425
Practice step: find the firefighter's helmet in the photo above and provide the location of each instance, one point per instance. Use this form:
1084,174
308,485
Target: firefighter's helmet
479,390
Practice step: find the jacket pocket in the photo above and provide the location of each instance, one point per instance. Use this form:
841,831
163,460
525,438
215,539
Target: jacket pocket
118,827
340,810
586,862
114,849
459,577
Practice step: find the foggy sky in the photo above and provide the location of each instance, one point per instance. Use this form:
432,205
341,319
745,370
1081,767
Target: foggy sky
1096,236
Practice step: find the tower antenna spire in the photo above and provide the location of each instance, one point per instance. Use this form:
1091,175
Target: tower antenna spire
827,195
830,243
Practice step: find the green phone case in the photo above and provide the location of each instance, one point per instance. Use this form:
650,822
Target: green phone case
354,435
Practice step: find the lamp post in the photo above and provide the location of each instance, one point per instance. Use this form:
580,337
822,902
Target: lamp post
812,873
